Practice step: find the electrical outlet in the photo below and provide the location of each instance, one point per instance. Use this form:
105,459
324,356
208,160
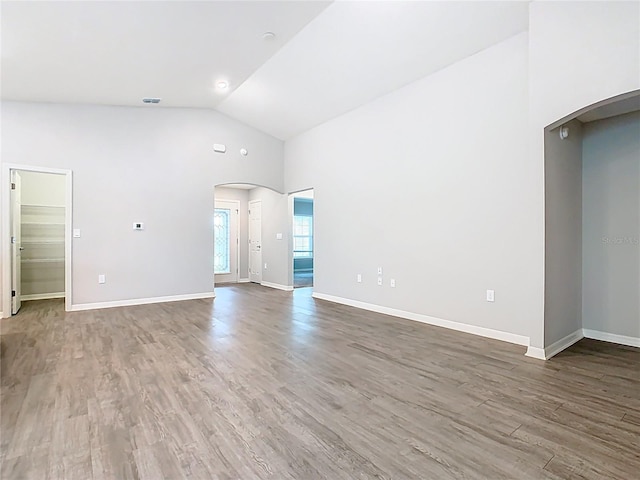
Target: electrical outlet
491,295
380,281
392,283
359,278
101,278
379,270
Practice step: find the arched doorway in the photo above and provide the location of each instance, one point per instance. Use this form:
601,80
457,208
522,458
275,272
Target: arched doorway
592,214
251,239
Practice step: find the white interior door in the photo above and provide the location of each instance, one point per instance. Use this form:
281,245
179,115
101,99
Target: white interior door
226,241
16,241
255,241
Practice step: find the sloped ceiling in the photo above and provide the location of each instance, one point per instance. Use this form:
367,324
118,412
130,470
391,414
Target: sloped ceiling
326,58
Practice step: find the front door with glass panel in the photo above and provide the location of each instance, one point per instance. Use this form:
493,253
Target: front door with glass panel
225,241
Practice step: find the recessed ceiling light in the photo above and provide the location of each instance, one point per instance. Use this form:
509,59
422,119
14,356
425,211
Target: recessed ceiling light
268,35
222,85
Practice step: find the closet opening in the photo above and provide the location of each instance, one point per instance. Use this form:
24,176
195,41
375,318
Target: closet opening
37,217
592,226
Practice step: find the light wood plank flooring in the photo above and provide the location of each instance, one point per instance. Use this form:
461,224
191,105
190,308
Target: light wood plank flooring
265,384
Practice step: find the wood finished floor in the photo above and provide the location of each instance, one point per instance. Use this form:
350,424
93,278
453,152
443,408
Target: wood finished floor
265,384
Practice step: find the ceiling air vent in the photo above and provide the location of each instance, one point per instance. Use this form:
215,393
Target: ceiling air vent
151,100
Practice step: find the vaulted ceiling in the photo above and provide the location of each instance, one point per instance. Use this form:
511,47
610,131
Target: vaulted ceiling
324,60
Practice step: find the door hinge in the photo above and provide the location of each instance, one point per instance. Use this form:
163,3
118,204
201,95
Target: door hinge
13,240
13,293
13,186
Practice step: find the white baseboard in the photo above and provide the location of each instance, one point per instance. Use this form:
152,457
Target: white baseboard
243,280
562,344
566,342
461,327
286,288
42,296
141,301
535,352
612,337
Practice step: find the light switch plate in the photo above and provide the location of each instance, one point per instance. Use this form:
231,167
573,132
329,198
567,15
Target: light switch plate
278,236
491,295
76,233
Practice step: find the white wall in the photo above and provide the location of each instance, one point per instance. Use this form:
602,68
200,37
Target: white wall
275,219
579,54
431,182
563,233
151,165
242,196
611,226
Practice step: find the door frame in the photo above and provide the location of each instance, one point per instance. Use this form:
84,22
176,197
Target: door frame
237,204
15,233
249,235
292,197
5,209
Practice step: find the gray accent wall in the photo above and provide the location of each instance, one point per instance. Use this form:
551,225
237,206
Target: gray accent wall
563,233
611,225
580,53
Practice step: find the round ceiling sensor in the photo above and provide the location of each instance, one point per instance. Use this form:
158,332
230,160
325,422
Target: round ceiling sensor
268,35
